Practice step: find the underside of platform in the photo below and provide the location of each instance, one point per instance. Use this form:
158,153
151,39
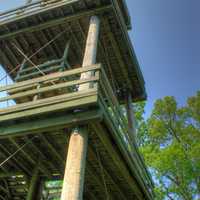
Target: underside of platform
107,168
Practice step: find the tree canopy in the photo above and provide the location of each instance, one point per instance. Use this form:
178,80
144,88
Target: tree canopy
170,143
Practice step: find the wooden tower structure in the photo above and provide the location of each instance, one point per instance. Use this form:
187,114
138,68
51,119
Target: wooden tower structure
74,71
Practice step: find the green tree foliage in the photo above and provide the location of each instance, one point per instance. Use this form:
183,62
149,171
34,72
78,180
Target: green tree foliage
170,143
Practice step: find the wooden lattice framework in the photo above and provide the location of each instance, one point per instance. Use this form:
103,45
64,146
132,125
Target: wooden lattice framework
67,102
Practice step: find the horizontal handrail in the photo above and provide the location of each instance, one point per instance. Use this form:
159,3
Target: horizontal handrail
48,89
48,78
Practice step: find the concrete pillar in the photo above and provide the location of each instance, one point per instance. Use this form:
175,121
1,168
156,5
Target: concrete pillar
77,150
91,49
75,166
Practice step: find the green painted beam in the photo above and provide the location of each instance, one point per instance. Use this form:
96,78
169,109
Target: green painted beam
39,109
40,125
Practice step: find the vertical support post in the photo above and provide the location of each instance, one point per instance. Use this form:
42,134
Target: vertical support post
65,63
131,119
33,185
76,159
75,165
40,189
23,65
90,50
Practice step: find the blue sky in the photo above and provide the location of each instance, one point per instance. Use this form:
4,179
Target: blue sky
9,4
166,37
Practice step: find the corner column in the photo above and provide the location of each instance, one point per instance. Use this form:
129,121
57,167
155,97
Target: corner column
32,192
131,119
77,150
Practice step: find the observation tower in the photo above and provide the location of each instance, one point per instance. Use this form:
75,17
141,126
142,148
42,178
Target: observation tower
68,113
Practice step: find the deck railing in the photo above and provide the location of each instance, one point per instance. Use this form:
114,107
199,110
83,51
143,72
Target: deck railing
116,117
54,82
32,8
48,93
